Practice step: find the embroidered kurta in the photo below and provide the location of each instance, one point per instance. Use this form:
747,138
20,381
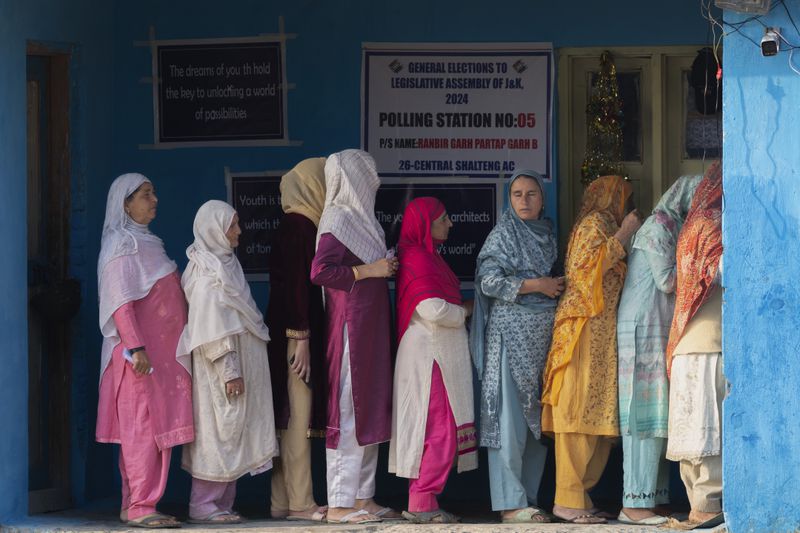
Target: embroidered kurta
235,434
156,322
436,333
580,391
645,314
295,303
363,307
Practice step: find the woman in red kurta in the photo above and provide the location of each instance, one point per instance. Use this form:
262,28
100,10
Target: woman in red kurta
145,400
351,264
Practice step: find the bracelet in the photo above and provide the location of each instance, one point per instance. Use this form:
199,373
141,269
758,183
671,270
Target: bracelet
298,335
137,349
355,273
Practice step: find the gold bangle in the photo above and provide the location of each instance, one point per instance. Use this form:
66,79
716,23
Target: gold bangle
298,335
355,273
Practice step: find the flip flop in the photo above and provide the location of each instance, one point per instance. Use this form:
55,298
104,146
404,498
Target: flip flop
316,516
439,516
527,516
154,521
714,521
384,511
649,521
586,518
348,518
227,518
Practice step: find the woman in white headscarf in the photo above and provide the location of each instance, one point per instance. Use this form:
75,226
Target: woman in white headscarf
145,399
227,337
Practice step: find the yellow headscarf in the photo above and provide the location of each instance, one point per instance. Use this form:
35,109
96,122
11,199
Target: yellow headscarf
303,189
606,194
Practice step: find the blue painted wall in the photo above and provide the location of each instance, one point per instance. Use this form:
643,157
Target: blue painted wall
114,116
761,339
84,26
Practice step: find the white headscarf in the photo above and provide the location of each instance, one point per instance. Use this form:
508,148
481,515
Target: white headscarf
351,183
220,303
131,261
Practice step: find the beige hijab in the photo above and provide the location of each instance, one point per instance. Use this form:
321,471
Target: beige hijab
303,189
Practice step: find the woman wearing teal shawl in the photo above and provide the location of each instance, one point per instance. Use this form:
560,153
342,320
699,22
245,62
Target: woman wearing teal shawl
643,321
509,339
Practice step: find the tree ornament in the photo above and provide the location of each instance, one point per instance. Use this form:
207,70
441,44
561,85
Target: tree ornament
604,129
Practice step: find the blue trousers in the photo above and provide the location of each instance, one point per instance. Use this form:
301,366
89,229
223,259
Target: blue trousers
515,469
645,472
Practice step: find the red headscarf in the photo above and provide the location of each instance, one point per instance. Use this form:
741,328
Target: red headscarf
698,253
423,273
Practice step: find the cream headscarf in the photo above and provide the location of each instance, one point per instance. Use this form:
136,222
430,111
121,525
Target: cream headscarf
352,181
303,189
131,261
220,303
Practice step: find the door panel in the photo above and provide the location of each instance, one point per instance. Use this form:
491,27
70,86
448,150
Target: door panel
48,329
661,133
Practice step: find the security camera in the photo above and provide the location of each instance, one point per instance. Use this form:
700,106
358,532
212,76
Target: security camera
770,42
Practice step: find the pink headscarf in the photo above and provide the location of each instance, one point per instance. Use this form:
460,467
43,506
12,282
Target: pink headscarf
423,273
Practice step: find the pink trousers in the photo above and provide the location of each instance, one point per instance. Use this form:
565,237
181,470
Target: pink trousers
209,497
143,467
438,452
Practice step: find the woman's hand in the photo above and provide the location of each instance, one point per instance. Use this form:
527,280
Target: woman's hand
382,268
630,224
141,363
469,306
301,360
551,287
234,387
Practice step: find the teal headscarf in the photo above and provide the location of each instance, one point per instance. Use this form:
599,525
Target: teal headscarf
517,245
659,233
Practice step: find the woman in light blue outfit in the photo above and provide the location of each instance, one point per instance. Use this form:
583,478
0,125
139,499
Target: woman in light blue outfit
643,322
509,339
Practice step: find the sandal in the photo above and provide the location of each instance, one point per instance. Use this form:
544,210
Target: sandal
318,515
528,515
154,521
585,518
217,518
387,513
353,518
439,516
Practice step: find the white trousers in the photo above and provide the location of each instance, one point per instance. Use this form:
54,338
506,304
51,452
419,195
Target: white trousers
351,468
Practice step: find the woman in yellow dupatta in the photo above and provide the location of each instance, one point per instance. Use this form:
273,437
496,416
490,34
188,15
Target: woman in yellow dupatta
580,380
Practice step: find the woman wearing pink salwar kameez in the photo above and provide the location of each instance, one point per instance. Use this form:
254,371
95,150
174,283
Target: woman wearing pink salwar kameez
433,417
145,399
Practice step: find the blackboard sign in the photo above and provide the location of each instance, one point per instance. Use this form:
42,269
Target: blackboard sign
472,204
257,200
472,208
220,92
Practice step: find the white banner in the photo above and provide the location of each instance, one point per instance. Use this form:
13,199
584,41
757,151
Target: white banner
479,110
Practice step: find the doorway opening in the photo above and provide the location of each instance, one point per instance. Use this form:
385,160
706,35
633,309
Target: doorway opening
53,297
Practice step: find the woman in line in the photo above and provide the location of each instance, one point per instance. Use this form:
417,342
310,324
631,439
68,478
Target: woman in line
432,412
145,399
235,428
515,299
580,380
352,265
296,321
694,354
643,321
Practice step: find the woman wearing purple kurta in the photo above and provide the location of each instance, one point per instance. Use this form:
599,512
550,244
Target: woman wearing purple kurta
351,264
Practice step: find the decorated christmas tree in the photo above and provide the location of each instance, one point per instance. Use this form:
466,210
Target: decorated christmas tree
604,131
